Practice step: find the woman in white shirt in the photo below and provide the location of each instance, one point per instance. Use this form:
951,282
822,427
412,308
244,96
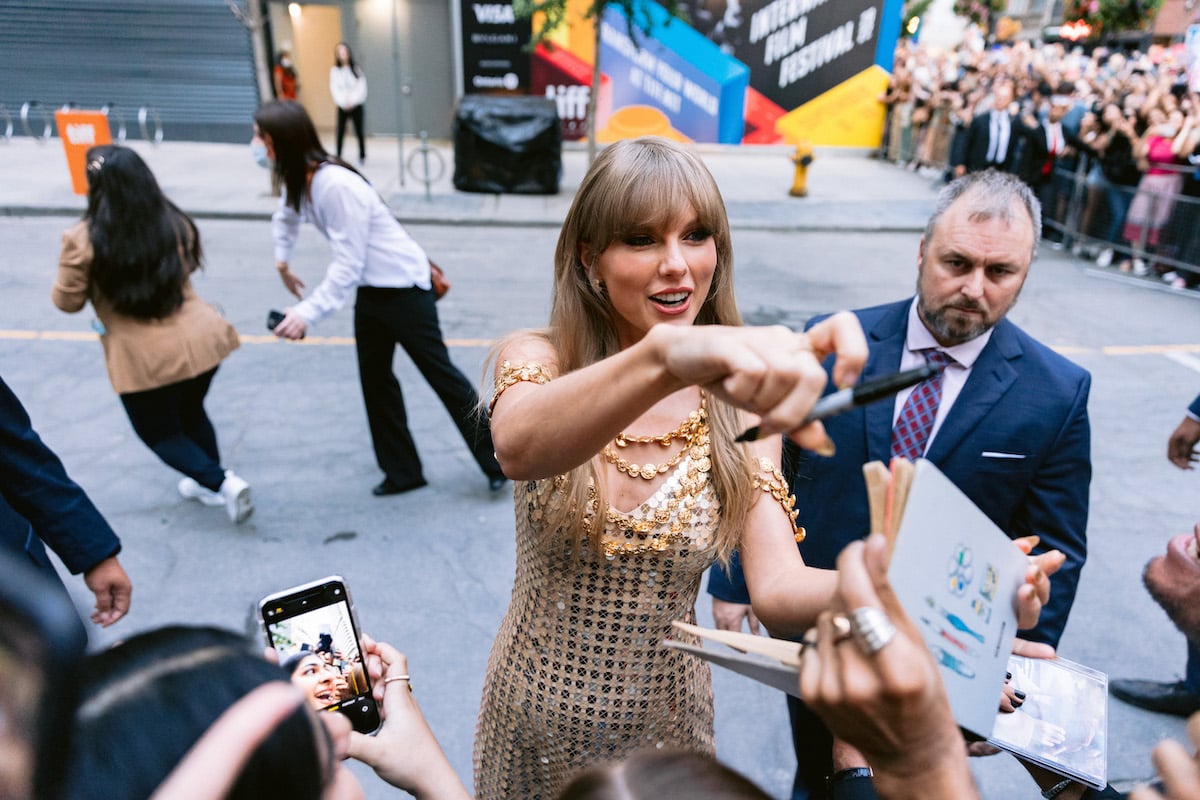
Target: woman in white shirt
348,85
389,273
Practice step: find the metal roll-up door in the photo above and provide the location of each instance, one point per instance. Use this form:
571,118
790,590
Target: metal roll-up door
188,61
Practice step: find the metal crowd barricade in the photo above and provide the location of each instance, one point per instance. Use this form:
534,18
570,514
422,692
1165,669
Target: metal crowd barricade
1081,207
6,124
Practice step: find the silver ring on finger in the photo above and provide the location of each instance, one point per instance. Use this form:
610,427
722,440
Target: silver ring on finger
871,628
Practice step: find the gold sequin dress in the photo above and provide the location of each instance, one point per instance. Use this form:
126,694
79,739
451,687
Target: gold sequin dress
577,673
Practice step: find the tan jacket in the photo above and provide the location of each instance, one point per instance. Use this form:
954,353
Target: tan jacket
144,354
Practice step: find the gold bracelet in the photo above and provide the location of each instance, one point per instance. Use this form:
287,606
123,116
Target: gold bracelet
511,374
774,485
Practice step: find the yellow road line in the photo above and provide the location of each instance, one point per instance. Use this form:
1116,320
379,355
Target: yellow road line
246,338
1149,349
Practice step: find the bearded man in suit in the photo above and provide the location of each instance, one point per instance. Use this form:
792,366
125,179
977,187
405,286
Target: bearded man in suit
1010,428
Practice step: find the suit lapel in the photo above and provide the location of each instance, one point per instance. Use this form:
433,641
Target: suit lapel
991,377
886,340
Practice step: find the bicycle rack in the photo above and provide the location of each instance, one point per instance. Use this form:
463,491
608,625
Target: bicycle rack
146,116
6,124
419,159
110,111
47,125
34,112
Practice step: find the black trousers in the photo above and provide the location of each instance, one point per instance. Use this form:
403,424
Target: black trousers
355,115
384,318
172,422
814,752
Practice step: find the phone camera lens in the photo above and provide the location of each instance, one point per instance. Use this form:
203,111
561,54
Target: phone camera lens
337,591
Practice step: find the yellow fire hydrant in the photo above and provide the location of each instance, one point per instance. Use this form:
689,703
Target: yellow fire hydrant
802,158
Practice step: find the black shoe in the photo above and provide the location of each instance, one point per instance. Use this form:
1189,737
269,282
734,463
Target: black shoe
497,482
386,487
1165,698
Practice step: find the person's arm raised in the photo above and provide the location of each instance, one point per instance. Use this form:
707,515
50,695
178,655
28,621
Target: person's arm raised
541,430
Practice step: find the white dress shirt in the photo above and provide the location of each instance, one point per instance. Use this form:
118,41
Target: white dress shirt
1000,127
954,377
348,90
370,247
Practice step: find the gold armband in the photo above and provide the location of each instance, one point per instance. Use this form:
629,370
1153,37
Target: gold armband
773,484
515,373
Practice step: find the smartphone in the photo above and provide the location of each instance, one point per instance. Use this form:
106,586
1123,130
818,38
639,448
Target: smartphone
274,318
42,640
314,631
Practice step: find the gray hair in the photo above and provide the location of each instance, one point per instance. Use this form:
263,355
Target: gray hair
993,195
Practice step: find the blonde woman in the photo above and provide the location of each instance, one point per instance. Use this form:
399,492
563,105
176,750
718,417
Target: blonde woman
618,421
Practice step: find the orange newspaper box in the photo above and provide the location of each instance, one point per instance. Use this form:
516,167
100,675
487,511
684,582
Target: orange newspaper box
80,130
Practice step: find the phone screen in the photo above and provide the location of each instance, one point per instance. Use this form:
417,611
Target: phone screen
312,629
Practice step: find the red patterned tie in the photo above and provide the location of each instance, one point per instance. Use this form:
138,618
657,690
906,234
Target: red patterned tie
911,432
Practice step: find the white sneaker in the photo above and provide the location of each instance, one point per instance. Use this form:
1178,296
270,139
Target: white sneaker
236,494
189,489
1169,277
1139,268
1105,258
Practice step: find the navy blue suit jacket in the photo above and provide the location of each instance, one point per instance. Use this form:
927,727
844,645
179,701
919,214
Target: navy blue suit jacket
39,503
1021,400
1195,406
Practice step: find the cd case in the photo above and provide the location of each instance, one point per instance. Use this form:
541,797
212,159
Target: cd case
1063,723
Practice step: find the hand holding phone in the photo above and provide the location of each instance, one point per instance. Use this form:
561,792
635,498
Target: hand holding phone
313,630
275,317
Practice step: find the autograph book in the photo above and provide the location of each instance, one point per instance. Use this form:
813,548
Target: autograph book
955,573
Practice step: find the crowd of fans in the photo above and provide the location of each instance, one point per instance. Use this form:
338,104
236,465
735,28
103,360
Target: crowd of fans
1132,129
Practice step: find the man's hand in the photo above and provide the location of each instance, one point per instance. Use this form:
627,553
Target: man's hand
729,616
1181,447
112,589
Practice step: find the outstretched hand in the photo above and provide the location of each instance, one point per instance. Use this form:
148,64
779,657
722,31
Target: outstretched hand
890,705
770,371
1035,592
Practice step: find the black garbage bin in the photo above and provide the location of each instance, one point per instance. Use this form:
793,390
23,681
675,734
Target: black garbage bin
507,145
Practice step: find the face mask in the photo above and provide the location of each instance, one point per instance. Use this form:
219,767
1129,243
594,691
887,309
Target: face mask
286,62
258,151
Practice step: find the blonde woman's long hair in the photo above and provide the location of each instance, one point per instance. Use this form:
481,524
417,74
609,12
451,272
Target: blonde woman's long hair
632,185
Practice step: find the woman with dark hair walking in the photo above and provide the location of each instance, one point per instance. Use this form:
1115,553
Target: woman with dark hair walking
348,85
132,256
389,274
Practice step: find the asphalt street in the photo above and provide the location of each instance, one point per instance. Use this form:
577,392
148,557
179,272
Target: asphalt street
431,571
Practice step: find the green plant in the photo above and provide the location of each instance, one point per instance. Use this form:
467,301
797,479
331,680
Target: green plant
980,12
1111,16
554,16
913,10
